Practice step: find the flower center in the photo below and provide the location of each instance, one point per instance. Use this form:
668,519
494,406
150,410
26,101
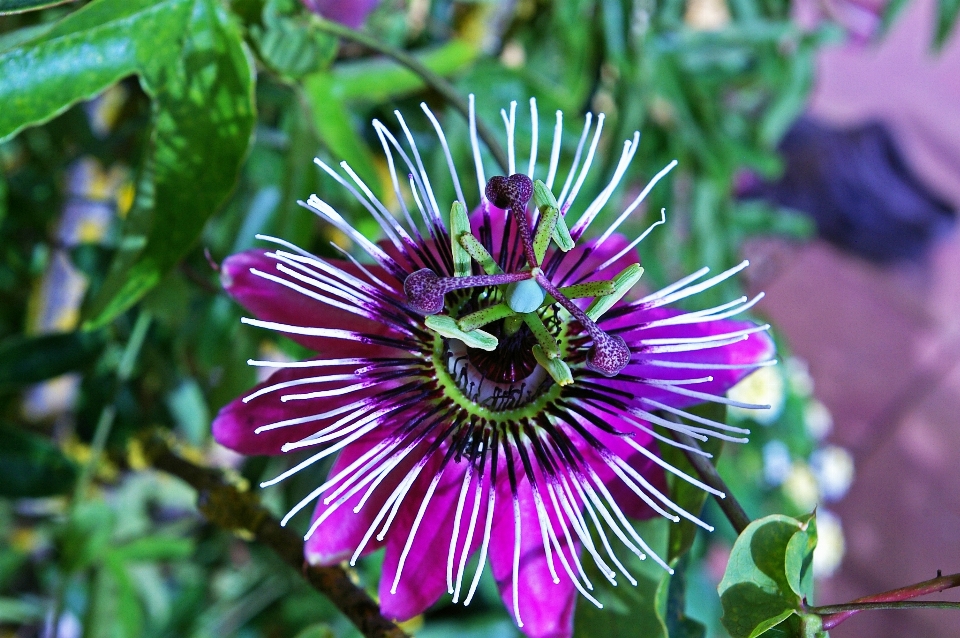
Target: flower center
520,341
500,386
499,380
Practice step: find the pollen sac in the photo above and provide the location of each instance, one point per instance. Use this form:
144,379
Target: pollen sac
424,291
609,354
509,192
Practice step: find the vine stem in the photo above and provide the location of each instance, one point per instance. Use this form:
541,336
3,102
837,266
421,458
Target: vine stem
226,505
433,80
833,615
708,474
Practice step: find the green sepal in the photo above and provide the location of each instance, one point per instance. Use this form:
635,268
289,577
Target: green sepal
459,224
446,326
622,284
543,198
589,289
548,343
556,368
482,317
548,222
511,324
473,246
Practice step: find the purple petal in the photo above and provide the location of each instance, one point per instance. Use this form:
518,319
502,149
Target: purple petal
631,504
424,576
756,348
546,608
236,423
271,301
340,534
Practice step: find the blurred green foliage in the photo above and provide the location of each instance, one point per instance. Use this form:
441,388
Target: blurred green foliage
204,116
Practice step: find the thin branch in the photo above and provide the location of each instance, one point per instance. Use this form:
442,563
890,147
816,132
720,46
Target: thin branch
433,80
224,505
855,607
833,615
708,474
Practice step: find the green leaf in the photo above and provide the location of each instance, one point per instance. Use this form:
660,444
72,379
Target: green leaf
769,567
153,548
798,561
770,623
334,124
26,360
947,13
671,596
114,610
3,198
381,80
192,61
791,101
320,630
20,6
32,466
203,125
13,39
19,612
85,537
891,12
292,45
82,55
189,409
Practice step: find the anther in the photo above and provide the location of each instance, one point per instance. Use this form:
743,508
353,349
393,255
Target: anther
509,192
425,291
609,354
514,193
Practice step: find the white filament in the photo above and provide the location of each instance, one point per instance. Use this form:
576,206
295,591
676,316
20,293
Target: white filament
446,152
510,123
423,172
637,240
586,164
455,535
588,120
468,540
414,528
555,151
516,560
535,129
478,162
626,156
296,382
636,202
485,544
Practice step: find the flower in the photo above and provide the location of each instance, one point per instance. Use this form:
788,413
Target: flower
352,13
476,398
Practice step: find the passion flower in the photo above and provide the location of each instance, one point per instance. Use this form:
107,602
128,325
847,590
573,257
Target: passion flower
486,381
